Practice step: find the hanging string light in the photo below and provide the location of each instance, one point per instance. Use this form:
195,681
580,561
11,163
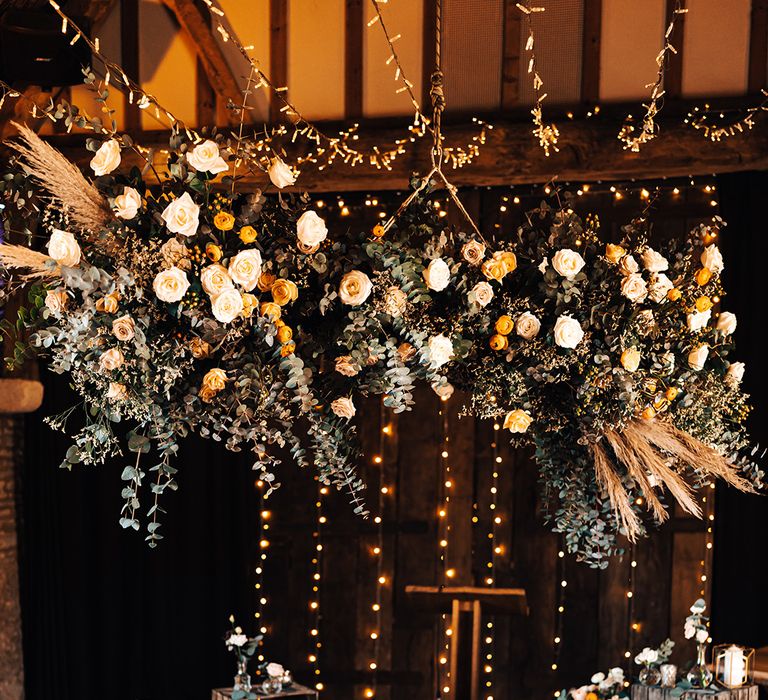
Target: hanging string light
633,627
263,544
562,584
714,124
446,572
315,643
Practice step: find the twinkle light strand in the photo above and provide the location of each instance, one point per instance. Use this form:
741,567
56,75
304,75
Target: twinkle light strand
562,584
263,544
629,135
546,133
705,578
704,120
446,572
315,642
633,626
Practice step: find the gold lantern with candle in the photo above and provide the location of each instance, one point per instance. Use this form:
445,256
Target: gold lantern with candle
733,665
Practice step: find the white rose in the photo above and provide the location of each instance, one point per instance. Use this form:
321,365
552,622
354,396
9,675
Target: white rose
182,215
628,265
527,325
597,678
282,175
343,407
653,261
205,158
128,203
482,293
437,275
124,328
568,263
473,252
440,350
444,391
227,305
245,268
116,391
660,285
311,229
689,629
617,674
63,248
702,636
697,357
111,359
275,670
698,607
735,373
568,332
712,259
726,322
634,287
107,158
355,287
236,640
215,279
56,300
395,301
171,285
698,320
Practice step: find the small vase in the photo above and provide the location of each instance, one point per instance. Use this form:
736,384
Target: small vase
668,675
242,677
272,685
649,675
700,676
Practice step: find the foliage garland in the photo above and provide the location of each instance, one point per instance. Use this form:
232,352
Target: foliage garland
188,307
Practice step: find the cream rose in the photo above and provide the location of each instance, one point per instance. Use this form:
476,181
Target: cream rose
227,305
735,373
281,174
634,287
628,265
712,259
56,300
311,229
567,263
440,350
653,261
343,407
205,158
171,285
568,332
726,322
437,275
473,252
659,286
182,215
346,367
215,279
395,301
355,287
107,158
128,203
482,293
630,359
63,248
245,268
444,391
698,320
527,325
276,670
124,328
215,379
517,421
116,391
697,357
111,359
175,253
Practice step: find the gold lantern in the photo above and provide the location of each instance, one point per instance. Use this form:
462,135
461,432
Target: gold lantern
733,665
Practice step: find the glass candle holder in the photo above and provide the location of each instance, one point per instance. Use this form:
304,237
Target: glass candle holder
733,665
668,675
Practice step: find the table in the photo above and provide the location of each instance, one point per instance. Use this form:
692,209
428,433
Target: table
295,691
654,692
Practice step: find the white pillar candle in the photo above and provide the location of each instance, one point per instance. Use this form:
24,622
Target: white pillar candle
734,666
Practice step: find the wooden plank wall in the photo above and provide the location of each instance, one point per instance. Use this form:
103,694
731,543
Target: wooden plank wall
595,626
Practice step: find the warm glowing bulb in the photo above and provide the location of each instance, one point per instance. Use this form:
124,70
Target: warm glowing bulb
450,573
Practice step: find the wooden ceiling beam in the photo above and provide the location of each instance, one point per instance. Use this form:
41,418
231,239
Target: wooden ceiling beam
673,77
195,23
758,46
589,151
590,52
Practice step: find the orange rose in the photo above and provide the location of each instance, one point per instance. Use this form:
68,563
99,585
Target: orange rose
703,304
674,294
284,292
284,334
494,269
224,221
108,304
250,302
504,325
266,280
614,253
248,234
213,252
499,342
378,231
288,349
270,309
508,259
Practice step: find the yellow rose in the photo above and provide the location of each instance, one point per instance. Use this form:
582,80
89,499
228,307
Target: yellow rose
674,294
378,231
703,276
504,325
517,421
224,221
213,252
248,234
499,342
284,334
266,280
287,349
250,302
215,379
206,394
284,292
508,259
199,348
270,309
108,304
614,253
494,269
703,304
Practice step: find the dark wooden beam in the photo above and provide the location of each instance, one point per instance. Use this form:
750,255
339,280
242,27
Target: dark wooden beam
510,57
428,52
590,54
205,95
758,46
673,77
589,151
196,24
353,59
278,53
129,50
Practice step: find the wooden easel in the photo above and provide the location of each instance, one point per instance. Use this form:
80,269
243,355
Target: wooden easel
463,601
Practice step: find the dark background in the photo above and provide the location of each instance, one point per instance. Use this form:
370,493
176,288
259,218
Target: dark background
105,616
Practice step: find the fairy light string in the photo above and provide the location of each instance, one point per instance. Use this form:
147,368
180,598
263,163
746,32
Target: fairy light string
445,572
713,124
315,643
263,544
562,584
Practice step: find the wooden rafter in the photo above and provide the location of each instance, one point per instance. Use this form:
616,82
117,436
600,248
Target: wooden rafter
208,50
278,54
673,78
758,46
590,55
510,60
353,59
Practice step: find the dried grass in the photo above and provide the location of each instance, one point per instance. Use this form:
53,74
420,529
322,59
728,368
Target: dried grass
609,480
35,266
